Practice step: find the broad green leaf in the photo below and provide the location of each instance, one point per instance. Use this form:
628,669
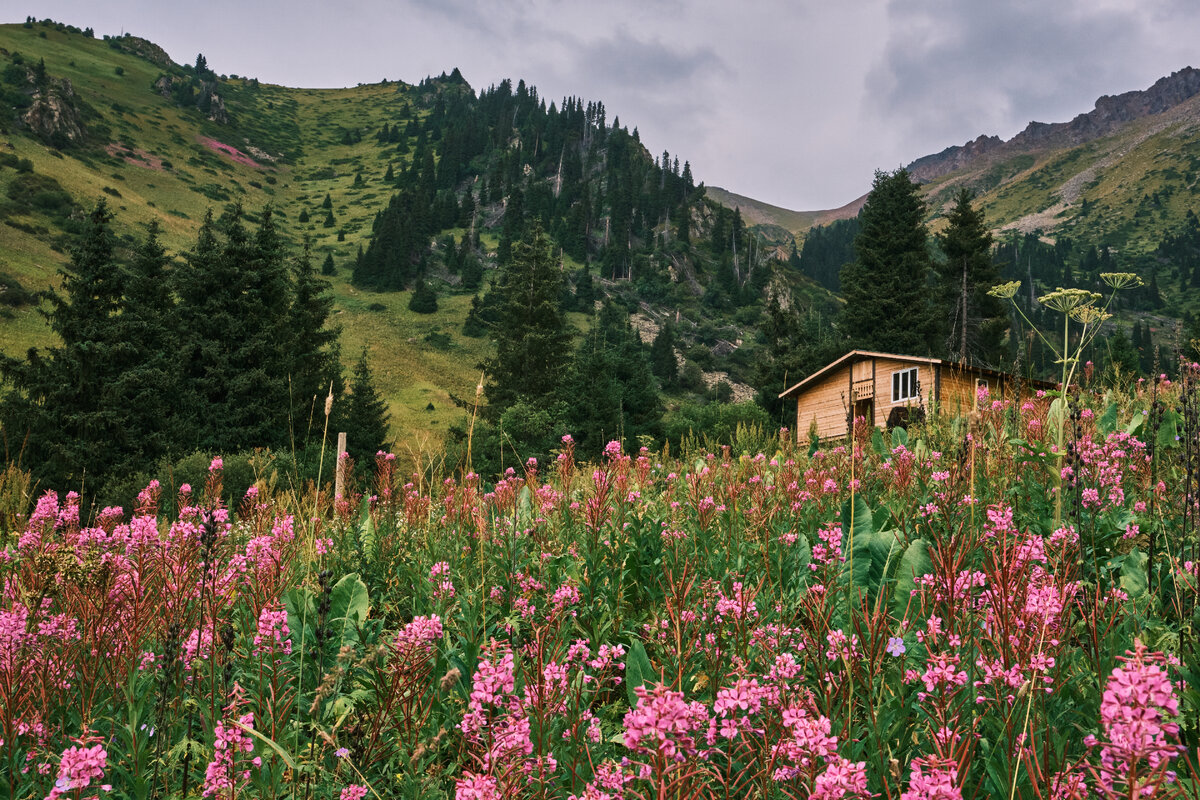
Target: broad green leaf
301,611
874,553
366,528
899,437
638,671
1168,430
1135,424
1133,575
349,605
913,564
857,516
1108,420
877,442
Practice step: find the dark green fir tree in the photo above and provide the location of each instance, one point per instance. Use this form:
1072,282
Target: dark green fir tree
366,417
885,286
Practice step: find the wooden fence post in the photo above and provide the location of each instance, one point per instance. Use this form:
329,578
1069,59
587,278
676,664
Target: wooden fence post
339,485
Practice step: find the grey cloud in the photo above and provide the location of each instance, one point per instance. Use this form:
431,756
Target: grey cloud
952,70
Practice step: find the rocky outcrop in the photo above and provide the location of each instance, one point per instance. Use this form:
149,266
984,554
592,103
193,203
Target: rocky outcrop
54,116
1110,113
143,48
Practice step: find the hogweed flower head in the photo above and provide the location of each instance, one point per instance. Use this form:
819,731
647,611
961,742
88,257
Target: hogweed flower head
1067,300
1005,291
1121,280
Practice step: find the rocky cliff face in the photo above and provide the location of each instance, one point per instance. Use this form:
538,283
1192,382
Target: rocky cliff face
1110,113
54,115
143,48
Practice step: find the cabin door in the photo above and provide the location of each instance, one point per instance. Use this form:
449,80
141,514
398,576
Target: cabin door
866,410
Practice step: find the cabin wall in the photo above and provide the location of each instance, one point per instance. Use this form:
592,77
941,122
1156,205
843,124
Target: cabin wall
958,390
884,368
825,402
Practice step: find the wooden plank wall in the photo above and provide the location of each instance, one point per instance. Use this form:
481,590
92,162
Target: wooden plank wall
826,402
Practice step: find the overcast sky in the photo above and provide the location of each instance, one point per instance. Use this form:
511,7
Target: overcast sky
794,102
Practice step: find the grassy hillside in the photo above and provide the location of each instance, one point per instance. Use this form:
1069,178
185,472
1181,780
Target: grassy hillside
170,164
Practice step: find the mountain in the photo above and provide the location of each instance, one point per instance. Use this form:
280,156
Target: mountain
401,187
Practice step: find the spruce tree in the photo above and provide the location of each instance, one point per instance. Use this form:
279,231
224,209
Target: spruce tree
314,364
532,340
62,408
327,266
234,297
885,286
148,383
609,391
662,355
974,321
424,299
366,417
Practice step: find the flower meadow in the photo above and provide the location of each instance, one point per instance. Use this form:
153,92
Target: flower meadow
907,615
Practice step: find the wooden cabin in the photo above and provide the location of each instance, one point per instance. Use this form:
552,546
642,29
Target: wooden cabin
874,385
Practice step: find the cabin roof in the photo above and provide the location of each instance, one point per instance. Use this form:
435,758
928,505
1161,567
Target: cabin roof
861,355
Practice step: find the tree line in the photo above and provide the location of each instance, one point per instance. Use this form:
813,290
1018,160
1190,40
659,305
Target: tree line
228,350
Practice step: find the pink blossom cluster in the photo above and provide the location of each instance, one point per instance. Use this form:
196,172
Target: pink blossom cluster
77,768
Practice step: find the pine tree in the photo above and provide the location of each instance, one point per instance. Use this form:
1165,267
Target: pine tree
366,416
885,287
531,338
662,355
327,266
303,217
327,203
62,406
609,391
149,379
313,363
234,297
974,320
424,299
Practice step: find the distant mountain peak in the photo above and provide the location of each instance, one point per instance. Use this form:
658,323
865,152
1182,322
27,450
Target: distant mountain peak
1110,112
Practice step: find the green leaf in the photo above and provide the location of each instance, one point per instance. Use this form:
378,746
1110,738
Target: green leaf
874,552
877,442
349,605
638,671
366,528
863,522
1133,575
302,612
1108,420
899,437
913,564
1135,424
268,742
1168,431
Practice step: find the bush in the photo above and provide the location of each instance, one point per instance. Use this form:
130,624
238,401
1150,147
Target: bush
744,426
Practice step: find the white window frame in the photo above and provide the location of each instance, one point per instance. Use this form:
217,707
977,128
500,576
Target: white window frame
906,385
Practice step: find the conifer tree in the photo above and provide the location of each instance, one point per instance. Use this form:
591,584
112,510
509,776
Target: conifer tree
609,391
234,297
885,286
424,299
327,266
148,382
531,337
314,364
662,355
366,416
62,408
974,320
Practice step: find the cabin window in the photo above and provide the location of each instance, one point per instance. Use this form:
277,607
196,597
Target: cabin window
905,385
